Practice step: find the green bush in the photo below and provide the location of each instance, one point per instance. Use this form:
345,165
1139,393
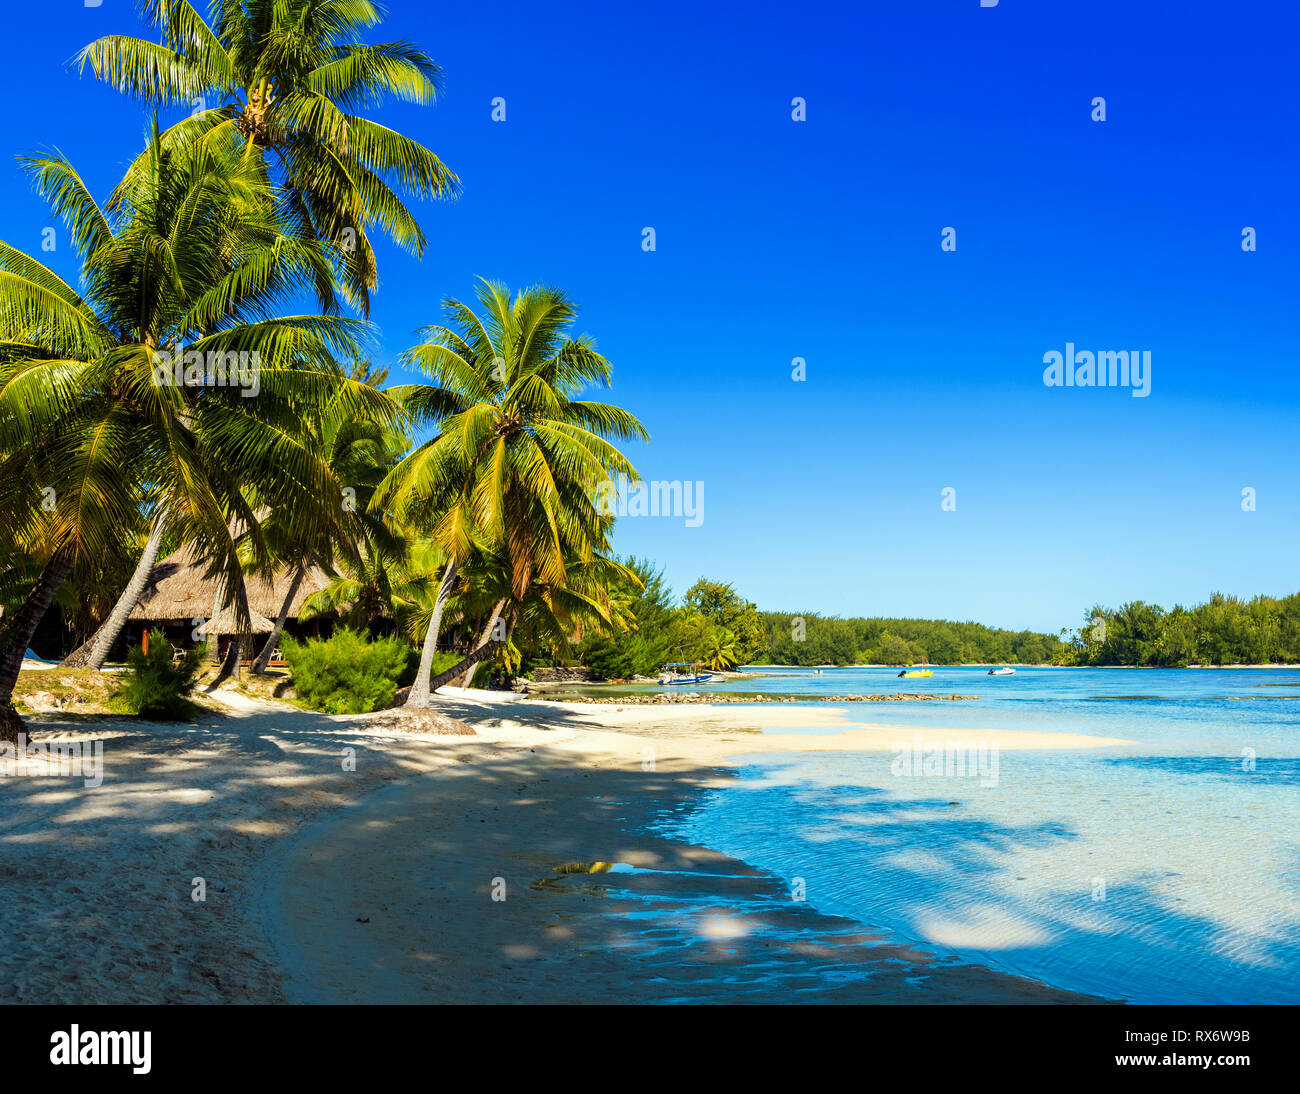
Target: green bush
348,674
157,687
441,663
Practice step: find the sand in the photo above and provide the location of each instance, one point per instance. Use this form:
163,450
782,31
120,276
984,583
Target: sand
376,884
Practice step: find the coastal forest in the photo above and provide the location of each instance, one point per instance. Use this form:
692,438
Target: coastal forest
715,624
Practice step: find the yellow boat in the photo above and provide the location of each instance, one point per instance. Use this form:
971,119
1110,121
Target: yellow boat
917,672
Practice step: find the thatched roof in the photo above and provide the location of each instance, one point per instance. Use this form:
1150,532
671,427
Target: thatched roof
224,622
178,590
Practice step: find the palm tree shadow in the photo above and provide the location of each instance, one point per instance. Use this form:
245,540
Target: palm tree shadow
634,913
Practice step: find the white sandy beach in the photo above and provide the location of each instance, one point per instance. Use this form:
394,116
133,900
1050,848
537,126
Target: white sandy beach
312,895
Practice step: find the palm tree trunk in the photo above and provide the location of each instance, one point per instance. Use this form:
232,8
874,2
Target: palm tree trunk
94,651
481,654
240,641
259,666
17,636
235,651
421,689
213,641
487,633
229,665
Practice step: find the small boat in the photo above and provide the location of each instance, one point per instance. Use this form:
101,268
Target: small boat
1002,672
916,672
690,673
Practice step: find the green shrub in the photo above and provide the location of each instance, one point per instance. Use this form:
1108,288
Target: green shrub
157,687
348,674
441,663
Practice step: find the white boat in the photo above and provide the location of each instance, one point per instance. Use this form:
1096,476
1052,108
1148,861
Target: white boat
1002,672
669,674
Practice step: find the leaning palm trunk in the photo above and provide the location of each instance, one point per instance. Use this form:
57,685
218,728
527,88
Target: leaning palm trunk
487,633
422,689
17,636
481,654
94,651
259,666
229,665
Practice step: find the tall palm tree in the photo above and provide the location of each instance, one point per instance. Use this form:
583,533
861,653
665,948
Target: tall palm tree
192,255
286,77
517,460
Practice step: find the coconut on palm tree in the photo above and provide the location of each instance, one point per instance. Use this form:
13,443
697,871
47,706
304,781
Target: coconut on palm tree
287,78
518,458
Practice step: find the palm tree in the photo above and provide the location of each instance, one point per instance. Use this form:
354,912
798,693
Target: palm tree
720,649
390,580
557,616
517,459
245,239
191,256
285,77
359,452
546,615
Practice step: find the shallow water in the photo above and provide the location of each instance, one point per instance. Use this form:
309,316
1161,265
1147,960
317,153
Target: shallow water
1166,870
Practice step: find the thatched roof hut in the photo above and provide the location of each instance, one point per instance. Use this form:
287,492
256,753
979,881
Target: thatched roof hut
180,591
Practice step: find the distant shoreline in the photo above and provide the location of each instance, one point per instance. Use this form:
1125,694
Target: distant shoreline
1017,665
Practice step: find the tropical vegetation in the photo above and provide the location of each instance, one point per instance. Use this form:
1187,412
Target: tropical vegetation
1224,630
509,480
714,624
347,673
184,265
156,685
284,80
173,398
713,619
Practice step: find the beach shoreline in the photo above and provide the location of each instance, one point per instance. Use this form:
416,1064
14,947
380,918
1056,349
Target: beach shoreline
376,884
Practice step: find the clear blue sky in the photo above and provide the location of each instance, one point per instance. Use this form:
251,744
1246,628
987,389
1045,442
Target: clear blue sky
820,240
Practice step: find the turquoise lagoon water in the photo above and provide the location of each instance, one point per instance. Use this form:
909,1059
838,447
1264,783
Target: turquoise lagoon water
1166,870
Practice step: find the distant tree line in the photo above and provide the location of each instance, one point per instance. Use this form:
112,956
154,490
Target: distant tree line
718,626
715,624
811,639
1225,630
